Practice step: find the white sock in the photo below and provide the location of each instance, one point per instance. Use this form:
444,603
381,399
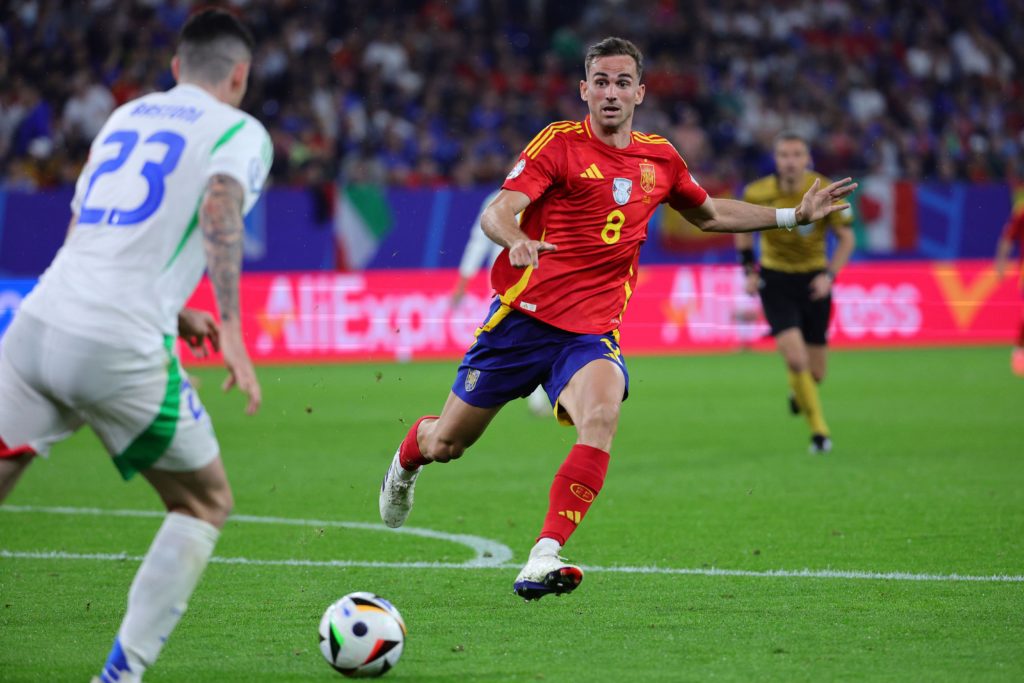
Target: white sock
545,546
162,587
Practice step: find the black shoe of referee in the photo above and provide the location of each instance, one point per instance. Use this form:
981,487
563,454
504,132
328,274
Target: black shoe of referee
820,445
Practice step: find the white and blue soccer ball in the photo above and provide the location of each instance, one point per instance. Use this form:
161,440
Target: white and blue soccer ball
362,635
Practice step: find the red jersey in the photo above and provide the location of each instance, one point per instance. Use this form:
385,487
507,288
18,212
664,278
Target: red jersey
1013,231
593,202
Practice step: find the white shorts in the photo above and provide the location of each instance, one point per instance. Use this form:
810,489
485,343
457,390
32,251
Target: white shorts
142,407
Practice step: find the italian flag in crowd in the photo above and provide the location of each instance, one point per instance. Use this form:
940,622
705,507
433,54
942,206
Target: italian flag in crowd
361,222
885,216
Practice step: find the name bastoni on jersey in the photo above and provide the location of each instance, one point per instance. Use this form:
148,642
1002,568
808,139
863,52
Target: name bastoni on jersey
163,111
136,203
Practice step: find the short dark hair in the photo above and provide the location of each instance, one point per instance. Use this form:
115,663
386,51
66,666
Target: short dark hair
211,43
791,136
614,47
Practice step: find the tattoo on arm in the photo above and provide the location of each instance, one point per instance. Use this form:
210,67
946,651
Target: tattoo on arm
220,218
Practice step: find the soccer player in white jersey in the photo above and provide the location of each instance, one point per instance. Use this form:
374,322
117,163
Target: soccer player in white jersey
480,250
169,178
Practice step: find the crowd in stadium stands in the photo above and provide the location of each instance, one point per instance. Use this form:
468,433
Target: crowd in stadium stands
429,92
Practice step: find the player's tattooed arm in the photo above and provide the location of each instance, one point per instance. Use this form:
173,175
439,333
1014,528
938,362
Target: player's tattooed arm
220,218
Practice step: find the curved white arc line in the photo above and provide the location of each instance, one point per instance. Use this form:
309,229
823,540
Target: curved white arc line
488,553
64,510
709,571
354,564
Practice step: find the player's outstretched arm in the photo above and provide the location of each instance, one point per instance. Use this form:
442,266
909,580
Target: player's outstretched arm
220,218
499,223
731,215
819,202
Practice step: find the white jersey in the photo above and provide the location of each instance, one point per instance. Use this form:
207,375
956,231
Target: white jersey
136,253
479,247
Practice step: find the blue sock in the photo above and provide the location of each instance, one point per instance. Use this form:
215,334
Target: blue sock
116,665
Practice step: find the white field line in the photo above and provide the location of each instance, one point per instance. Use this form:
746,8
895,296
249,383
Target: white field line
709,571
334,564
488,553
482,561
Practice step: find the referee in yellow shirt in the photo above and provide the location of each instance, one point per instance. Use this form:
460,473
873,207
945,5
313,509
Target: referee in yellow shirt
795,278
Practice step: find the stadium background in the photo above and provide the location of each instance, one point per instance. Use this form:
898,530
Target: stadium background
392,120
896,558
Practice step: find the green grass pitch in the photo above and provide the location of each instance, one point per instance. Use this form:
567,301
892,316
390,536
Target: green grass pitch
708,471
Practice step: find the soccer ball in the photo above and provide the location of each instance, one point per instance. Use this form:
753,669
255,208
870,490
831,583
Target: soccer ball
362,635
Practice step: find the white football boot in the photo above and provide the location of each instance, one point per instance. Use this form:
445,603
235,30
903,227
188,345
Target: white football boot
396,493
546,574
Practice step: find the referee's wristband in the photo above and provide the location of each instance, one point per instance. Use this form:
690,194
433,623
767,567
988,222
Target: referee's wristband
785,218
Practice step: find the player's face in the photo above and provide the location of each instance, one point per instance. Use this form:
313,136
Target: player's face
612,91
792,159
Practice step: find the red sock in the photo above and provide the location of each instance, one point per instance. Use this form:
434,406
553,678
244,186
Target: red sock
577,483
409,452
17,451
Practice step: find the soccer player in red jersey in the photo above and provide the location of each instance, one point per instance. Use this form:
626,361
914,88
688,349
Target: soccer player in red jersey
587,190
1013,232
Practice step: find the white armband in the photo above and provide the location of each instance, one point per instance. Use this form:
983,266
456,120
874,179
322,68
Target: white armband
785,218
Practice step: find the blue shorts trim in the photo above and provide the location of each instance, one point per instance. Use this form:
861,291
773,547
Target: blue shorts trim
513,353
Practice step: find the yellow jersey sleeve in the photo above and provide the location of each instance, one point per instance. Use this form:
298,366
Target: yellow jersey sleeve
800,250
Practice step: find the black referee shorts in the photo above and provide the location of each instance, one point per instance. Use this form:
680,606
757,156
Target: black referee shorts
786,299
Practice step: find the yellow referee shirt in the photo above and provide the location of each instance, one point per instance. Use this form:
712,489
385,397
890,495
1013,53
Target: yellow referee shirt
802,249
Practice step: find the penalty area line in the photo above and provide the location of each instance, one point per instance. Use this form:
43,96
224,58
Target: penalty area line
705,571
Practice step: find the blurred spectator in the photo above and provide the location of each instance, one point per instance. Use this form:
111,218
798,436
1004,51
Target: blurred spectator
425,92
33,136
86,109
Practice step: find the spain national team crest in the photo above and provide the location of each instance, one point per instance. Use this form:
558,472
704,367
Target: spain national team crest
647,180
622,188
471,379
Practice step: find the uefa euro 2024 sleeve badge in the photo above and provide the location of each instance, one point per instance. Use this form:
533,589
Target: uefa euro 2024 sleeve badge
622,188
471,378
516,170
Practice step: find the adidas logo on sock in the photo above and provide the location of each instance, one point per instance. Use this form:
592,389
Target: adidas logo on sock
573,516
